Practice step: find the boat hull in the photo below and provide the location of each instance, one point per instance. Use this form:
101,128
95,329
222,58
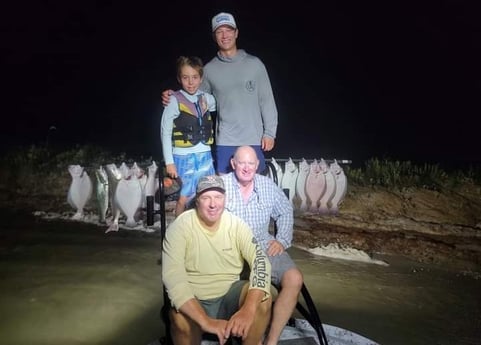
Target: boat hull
300,332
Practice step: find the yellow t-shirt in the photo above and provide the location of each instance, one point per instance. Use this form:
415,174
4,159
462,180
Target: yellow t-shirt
198,263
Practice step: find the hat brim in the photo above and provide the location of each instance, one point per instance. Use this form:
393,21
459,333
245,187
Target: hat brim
224,24
219,189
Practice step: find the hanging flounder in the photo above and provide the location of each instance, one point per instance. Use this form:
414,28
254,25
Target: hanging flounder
341,187
289,179
102,192
115,175
278,171
128,197
125,171
330,188
140,173
80,190
315,185
301,184
152,183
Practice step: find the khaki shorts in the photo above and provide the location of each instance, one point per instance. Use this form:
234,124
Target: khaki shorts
279,265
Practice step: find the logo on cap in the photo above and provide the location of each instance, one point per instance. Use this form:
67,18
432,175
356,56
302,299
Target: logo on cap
223,19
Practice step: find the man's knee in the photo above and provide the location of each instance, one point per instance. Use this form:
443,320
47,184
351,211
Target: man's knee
178,322
182,326
292,278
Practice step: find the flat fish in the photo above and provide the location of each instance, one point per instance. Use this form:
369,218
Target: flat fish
140,173
115,175
278,171
315,185
301,184
152,183
125,171
330,188
128,197
341,187
136,170
289,179
102,193
80,190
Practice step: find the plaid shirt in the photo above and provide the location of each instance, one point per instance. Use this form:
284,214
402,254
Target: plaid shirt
267,202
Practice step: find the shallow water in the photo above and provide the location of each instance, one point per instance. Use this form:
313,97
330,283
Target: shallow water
70,283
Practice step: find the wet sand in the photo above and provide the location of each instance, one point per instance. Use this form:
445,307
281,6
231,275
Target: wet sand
70,283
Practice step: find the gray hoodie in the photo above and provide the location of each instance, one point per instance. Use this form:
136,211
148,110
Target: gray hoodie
246,110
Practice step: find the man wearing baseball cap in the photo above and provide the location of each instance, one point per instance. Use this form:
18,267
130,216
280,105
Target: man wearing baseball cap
246,109
202,257
223,19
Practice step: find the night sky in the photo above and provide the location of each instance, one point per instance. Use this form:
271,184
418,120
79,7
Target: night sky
352,79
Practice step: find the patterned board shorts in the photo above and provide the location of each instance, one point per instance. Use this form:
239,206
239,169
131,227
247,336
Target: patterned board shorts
191,167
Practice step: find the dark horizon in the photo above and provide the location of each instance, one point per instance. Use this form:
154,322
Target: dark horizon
351,81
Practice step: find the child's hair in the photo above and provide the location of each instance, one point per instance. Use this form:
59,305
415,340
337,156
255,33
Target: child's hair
192,61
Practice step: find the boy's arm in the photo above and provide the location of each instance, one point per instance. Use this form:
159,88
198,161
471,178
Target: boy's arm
170,112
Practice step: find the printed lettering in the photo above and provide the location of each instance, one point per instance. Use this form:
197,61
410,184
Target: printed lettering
260,269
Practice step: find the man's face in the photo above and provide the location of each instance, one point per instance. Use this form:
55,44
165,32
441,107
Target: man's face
210,206
225,37
245,165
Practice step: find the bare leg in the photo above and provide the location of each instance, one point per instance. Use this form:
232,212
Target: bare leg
184,331
285,303
261,320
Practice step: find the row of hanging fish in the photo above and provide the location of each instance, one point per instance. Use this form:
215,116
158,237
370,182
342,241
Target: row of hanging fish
316,187
124,189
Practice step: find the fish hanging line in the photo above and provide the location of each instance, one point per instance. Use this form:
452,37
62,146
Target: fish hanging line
145,164
298,160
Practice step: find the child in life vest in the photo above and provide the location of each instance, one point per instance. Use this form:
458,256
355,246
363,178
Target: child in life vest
187,130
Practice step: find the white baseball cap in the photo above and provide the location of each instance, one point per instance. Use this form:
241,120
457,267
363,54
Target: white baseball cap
223,19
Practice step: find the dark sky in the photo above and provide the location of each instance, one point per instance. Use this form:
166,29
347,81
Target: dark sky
352,79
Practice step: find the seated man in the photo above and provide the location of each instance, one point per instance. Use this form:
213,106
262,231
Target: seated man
202,257
257,200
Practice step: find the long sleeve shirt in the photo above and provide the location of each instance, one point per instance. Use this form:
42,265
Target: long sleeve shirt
203,264
170,113
246,109
267,201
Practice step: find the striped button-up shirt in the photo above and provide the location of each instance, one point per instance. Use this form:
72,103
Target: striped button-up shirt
266,202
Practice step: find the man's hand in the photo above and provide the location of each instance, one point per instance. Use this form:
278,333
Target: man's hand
274,248
240,323
267,143
166,97
193,310
217,327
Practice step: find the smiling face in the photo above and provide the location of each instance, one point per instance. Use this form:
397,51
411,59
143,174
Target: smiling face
210,205
245,164
225,37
